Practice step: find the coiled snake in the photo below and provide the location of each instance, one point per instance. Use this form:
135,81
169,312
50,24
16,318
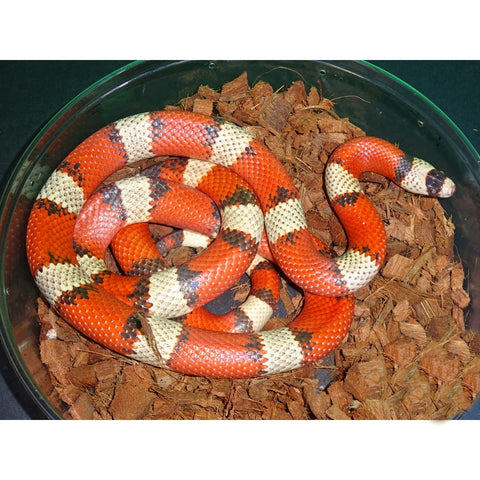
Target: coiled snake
236,193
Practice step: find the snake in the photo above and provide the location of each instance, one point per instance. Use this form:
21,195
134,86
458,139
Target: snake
148,256
256,203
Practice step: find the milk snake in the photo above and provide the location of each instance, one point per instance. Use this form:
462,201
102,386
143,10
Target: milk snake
141,321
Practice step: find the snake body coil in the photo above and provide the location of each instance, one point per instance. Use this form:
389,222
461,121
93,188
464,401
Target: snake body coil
72,223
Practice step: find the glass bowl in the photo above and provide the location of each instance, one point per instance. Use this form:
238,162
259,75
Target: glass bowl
377,102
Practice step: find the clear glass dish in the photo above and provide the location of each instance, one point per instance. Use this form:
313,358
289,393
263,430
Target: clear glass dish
374,100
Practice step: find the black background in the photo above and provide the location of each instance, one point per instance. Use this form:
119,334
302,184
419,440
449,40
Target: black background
31,92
